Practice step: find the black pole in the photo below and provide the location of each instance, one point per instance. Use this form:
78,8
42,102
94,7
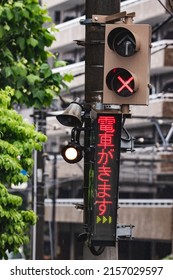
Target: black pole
40,209
41,115
94,64
54,232
94,48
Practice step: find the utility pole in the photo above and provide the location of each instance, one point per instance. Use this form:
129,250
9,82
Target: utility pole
38,243
40,207
94,62
94,51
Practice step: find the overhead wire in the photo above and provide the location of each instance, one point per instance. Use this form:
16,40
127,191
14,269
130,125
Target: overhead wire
170,4
165,7
160,25
165,46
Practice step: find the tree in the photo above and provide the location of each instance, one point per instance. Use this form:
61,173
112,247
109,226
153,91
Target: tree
23,57
25,78
18,139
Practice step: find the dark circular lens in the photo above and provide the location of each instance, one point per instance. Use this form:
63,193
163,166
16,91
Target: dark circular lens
122,41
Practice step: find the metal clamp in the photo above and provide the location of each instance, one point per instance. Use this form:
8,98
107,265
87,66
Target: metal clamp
103,19
124,231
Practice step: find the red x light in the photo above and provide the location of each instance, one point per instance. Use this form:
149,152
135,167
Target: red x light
125,84
121,81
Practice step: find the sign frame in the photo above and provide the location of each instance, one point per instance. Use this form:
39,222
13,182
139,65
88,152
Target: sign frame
107,129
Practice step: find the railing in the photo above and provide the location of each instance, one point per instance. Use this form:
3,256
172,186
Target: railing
68,24
161,95
75,68
129,2
155,203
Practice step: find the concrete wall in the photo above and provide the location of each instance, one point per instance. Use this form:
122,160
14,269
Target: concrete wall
149,222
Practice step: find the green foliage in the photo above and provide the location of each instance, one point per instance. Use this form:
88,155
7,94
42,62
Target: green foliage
14,223
23,57
169,257
18,139
25,78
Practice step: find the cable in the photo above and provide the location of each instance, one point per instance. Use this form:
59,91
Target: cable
165,7
157,27
165,47
170,4
125,130
128,138
95,251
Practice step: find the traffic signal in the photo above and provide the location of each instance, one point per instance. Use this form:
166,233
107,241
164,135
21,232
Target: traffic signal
72,153
127,64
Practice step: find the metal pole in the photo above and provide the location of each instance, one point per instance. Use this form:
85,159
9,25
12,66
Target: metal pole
34,199
40,189
94,62
94,48
54,232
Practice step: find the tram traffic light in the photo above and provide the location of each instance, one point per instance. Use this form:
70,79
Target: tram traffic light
127,64
72,153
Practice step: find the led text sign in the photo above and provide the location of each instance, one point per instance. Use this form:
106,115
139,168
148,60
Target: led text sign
106,177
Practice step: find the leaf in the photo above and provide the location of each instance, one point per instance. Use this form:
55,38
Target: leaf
19,70
33,42
3,201
49,38
1,10
47,18
18,4
32,79
45,70
68,77
39,94
10,240
60,63
20,85
2,31
9,13
18,94
26,14
57,78
8,54
6,27
21,42
7,71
